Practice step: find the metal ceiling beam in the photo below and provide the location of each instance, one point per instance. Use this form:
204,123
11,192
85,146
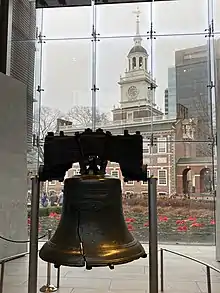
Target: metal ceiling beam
74,3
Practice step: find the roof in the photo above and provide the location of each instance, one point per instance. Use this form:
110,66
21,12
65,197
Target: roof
196,160
138,49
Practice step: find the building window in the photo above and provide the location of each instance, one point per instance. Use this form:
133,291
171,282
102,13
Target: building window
162,177
115,173
52,192
77,172
144,193
130,183
148,176
53,182
140,62
130,116
129,194
161,145
161,160
215,178
133,63
146,146
162,193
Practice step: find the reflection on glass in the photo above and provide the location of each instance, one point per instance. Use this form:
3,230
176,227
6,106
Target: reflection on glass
170,107
67,23
66,74
107,26
216,15
176,17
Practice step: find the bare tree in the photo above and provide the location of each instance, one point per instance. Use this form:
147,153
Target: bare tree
79,115
82,115
204,127
46,123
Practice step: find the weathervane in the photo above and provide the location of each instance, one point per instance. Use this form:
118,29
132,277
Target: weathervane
137,12
137,38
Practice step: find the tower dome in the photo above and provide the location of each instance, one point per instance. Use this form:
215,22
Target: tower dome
138,49
137,56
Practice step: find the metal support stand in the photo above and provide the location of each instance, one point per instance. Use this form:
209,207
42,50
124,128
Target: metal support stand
161,271
33,257
48,287
153,254
58,277
2,276
209,286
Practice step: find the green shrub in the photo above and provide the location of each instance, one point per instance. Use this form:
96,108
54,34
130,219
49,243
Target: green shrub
44,212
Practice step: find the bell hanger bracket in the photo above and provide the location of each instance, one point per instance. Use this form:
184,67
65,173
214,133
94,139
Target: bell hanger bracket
92,150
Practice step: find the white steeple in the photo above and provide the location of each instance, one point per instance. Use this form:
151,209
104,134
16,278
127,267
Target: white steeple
135,84
137,56
137,38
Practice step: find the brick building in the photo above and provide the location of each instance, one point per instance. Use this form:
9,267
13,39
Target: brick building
138,111
173,138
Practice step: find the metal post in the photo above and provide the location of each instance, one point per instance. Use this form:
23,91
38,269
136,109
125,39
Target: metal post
161,270
48,287
58,277
94,53
208,275
2,276
153,254
33,257
49,264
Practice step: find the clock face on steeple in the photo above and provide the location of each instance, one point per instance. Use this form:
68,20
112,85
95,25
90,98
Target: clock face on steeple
133,92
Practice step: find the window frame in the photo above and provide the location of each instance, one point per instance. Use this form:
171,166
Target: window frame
158,175
148,176
161,140
146,150
129,192
129,183
112,171
53,182
144,193
77,171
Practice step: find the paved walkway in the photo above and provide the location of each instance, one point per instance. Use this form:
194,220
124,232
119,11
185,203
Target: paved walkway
181,275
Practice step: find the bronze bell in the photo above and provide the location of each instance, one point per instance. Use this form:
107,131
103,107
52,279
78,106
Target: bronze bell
92,231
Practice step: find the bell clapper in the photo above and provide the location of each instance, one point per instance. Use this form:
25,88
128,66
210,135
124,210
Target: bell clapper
111,267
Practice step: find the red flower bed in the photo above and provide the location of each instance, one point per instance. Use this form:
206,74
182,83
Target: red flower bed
182,228
212,222
163,219
129,220
29,223
170,228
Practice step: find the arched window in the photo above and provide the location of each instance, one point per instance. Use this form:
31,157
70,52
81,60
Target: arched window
129,64
145,60
140,62
133,62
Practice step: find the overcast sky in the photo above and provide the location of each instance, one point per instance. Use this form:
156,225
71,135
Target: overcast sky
67,62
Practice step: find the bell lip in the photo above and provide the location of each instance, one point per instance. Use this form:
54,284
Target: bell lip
116,261
78,261
83,261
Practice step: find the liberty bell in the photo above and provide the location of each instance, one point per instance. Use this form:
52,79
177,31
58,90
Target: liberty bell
92,231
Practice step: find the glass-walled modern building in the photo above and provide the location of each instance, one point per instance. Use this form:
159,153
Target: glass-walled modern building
109,66
170,94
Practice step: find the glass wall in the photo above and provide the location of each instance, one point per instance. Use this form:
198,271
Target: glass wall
118,61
